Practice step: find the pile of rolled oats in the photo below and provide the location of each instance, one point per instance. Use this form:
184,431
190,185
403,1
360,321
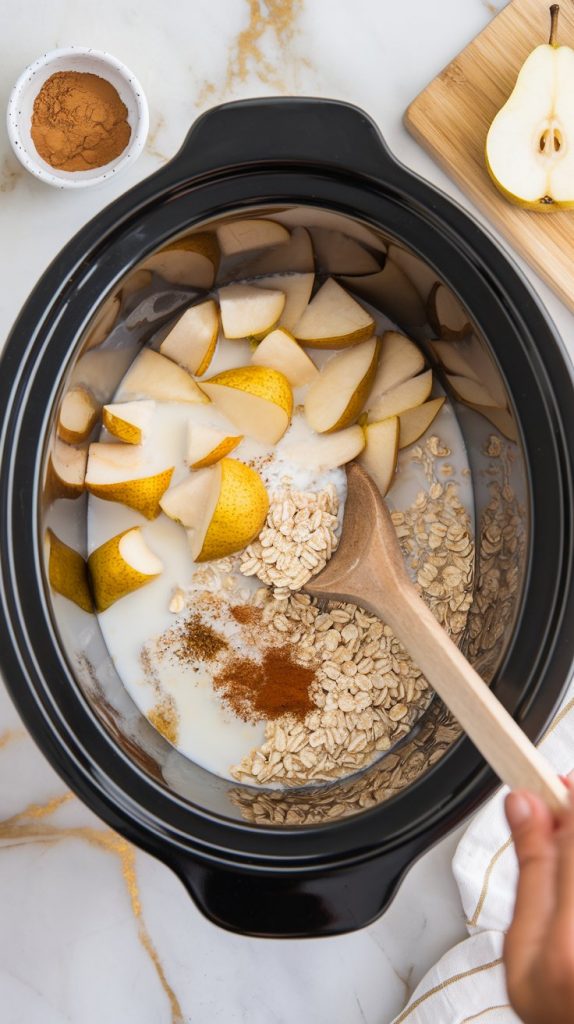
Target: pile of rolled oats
298,539
368,692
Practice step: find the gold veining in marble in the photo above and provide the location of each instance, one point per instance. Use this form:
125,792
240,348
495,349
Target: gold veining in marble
246,52
10,734
25,827
150,145
10,174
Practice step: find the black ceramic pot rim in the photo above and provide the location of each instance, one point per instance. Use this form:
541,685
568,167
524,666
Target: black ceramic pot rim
351,172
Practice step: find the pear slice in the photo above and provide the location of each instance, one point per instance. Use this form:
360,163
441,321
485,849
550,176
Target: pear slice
120,566
189,261
136,282
206,445
297,290
447,316
314,217
415,422
223,508
336,253
256,399
78,414
418,272
412,393
296,257
379,456
328,451
66,471
392,292
470,391
399,360
336,397
68,574
104,322
240,236
129,421
192,340
152,375
529,146
280,351
248,311
118,472
333,319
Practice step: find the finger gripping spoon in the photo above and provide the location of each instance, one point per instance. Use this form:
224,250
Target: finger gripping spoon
368,569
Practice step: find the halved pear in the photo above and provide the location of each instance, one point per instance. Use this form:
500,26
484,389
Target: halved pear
415,422
296,257
129,421
192,340
333,319
297,290
447,316
391,291
419,273
119,472
191,261
67,573
244,235
328,451
336,397
280,351
78,414
336,253
412,393
530,143
379,456
223,508
104,322
66,470
256,399
399,360
470,391
121,565
206,445
248,311
152,375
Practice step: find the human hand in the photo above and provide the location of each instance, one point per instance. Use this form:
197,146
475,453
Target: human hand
539,945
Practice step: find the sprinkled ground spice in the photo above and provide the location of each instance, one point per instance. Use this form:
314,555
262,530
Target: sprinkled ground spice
245,614
193,640
269,689
165,719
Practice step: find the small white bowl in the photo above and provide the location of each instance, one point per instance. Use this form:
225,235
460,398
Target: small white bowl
21,103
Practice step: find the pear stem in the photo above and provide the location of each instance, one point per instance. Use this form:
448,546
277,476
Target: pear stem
554,12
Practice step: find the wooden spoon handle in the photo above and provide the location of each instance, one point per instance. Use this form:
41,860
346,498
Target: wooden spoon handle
488,724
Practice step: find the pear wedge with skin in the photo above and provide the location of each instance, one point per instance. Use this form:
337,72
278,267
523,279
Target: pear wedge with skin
379,456
530,143
239,236
192,340
66,473
297,290
326,451
191,261
130,422
333,319
78,414
400,359
67,573
119,472
206,445
248,311
336,397
122,564
415,422
411,393
257,399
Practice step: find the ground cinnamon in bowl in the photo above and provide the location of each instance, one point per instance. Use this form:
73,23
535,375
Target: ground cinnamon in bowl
79,121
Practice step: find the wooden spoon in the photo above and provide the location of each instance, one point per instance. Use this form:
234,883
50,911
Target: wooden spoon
368,569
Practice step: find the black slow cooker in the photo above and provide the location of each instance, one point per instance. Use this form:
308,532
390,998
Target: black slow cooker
246,865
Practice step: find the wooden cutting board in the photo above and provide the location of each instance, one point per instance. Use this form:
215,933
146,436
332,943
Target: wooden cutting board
452,115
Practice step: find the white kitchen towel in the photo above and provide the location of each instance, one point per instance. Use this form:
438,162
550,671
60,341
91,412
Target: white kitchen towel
467,984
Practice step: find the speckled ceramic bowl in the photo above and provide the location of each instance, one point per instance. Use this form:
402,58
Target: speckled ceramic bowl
21,103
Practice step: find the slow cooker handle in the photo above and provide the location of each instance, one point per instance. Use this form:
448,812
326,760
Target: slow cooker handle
287,130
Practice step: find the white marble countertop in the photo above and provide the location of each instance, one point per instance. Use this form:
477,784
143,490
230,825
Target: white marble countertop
90,929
